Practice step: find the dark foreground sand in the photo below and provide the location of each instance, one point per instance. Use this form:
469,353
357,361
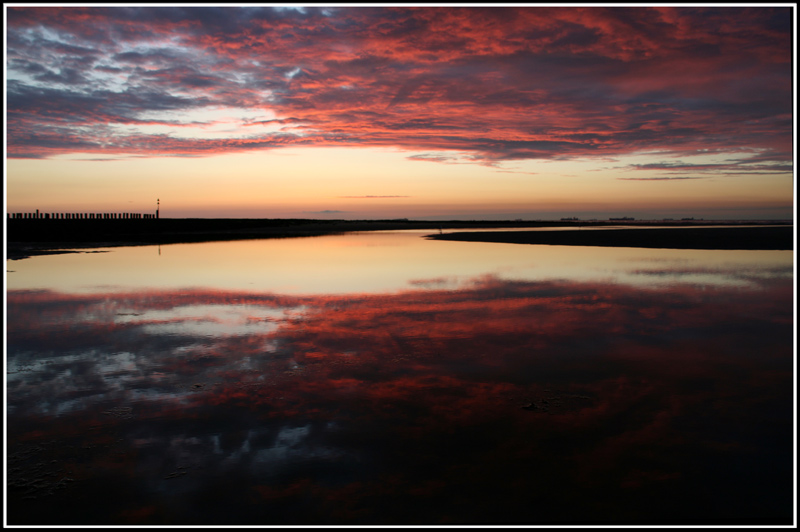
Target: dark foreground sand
763,238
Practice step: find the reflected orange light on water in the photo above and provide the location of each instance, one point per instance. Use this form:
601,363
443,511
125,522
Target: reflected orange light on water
374,262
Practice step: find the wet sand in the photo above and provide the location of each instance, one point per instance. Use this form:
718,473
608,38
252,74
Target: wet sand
744,238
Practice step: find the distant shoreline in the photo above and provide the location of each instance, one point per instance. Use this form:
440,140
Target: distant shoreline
26,238
731,238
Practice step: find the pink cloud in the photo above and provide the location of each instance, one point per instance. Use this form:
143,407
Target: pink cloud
500,83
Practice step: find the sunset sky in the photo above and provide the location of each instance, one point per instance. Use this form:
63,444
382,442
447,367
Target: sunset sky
401,112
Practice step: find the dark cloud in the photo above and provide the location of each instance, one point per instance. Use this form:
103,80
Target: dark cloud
658,178
432,157
744,166
151,57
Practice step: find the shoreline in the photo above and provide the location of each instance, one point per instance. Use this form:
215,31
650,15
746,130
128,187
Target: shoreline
27,238
719,238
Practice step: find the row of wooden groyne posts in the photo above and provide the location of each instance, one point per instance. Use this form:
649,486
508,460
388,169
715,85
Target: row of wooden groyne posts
80,216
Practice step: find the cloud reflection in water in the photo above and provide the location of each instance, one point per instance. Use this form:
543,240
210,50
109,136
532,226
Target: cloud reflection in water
510,402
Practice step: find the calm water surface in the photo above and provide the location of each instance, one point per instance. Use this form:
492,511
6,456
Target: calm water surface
382,378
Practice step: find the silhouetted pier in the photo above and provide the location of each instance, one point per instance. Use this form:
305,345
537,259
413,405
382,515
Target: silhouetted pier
41,226
80,216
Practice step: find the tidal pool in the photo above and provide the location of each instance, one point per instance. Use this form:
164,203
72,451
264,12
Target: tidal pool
382,378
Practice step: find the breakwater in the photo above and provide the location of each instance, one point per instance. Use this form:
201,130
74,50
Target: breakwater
80,216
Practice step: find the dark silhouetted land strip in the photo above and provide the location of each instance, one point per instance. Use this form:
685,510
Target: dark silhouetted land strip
27,237
744,238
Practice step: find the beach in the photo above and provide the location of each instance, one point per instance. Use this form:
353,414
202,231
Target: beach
744,238
30,237
27,238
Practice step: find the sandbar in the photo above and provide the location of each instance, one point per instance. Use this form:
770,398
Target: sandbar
731,238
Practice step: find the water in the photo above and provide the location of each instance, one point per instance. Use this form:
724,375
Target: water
382,378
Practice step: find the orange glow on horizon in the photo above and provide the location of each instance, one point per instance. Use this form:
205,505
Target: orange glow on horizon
402,112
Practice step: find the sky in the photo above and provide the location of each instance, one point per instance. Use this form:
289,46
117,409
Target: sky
419,112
